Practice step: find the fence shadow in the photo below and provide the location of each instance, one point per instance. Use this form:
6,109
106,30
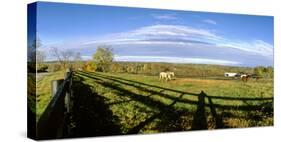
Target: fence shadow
199,118
170,117
90,116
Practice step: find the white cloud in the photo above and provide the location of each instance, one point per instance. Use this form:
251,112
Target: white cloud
165,16
256,47
159,32
209,21
194,45
86,57
174,30
175,60
182,35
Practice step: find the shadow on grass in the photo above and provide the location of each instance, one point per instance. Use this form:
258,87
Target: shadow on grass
91,116
170,117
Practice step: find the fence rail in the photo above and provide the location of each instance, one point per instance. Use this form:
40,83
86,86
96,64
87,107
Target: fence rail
53,122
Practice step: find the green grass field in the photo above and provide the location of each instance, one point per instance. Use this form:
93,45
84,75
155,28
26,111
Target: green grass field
132,103
43,91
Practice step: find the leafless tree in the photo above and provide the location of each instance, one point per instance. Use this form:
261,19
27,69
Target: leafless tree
40,56
77,57
78,60
63,57
33,49
67,56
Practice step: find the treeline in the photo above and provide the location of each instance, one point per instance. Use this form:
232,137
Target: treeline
153,69
187,70
181,70
103,61
266,72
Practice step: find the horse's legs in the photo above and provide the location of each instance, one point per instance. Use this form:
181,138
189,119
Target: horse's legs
243,79
169,77
161,77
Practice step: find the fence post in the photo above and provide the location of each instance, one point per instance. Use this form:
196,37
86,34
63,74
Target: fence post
68,88
68,102
55,85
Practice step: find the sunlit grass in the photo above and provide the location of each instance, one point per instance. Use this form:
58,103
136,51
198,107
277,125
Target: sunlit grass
133,102
43,91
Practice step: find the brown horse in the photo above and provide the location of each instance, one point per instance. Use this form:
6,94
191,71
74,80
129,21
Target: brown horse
245,77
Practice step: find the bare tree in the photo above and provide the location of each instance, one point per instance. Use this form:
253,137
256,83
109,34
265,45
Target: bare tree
63,57
40,56
67,56
33,49
77,56
78,60
56,53
32,55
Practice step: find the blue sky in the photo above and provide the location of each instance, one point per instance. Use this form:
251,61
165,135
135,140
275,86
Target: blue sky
152,35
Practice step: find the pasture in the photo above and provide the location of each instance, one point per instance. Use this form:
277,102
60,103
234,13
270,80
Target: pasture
122,103
43,90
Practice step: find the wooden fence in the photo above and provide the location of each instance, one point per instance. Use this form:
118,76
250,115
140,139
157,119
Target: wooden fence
53,123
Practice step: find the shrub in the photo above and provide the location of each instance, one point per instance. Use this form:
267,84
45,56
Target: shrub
103,58
42,68
266,72
89,66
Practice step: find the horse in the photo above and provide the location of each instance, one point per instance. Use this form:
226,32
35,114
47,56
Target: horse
163,75
245,77
170,74
166,75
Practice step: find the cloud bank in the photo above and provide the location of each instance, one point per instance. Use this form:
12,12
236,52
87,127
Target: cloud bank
175,60
181,44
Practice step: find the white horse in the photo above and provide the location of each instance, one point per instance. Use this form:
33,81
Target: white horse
170,74
166,75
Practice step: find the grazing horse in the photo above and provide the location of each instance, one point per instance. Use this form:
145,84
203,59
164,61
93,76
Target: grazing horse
166,75
170,74
245,77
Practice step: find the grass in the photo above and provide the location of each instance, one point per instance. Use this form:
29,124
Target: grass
43,91
143,104
31,91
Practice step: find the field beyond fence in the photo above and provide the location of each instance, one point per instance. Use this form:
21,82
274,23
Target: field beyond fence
130,100
127,103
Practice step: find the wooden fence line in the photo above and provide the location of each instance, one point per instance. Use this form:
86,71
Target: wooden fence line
53,122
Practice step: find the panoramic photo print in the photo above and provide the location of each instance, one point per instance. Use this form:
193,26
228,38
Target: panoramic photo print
101,70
